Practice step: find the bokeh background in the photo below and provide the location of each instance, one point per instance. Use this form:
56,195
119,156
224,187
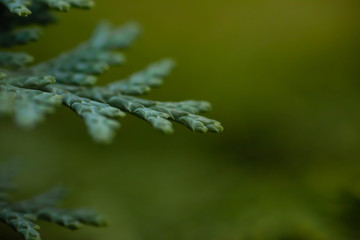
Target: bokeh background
283,78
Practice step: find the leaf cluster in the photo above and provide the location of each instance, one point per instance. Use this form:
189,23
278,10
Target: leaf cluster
22,215
29,93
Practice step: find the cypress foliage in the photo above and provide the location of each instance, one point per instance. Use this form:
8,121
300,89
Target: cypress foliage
29,93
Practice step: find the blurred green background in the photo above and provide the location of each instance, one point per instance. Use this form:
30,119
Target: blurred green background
283,78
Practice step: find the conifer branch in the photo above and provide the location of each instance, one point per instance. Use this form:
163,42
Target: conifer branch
30,93
21,215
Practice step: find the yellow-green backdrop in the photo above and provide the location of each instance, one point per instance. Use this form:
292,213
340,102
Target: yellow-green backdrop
283,77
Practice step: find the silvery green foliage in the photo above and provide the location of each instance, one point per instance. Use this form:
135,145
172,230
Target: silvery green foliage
21,215
23,7
30,93
17,18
